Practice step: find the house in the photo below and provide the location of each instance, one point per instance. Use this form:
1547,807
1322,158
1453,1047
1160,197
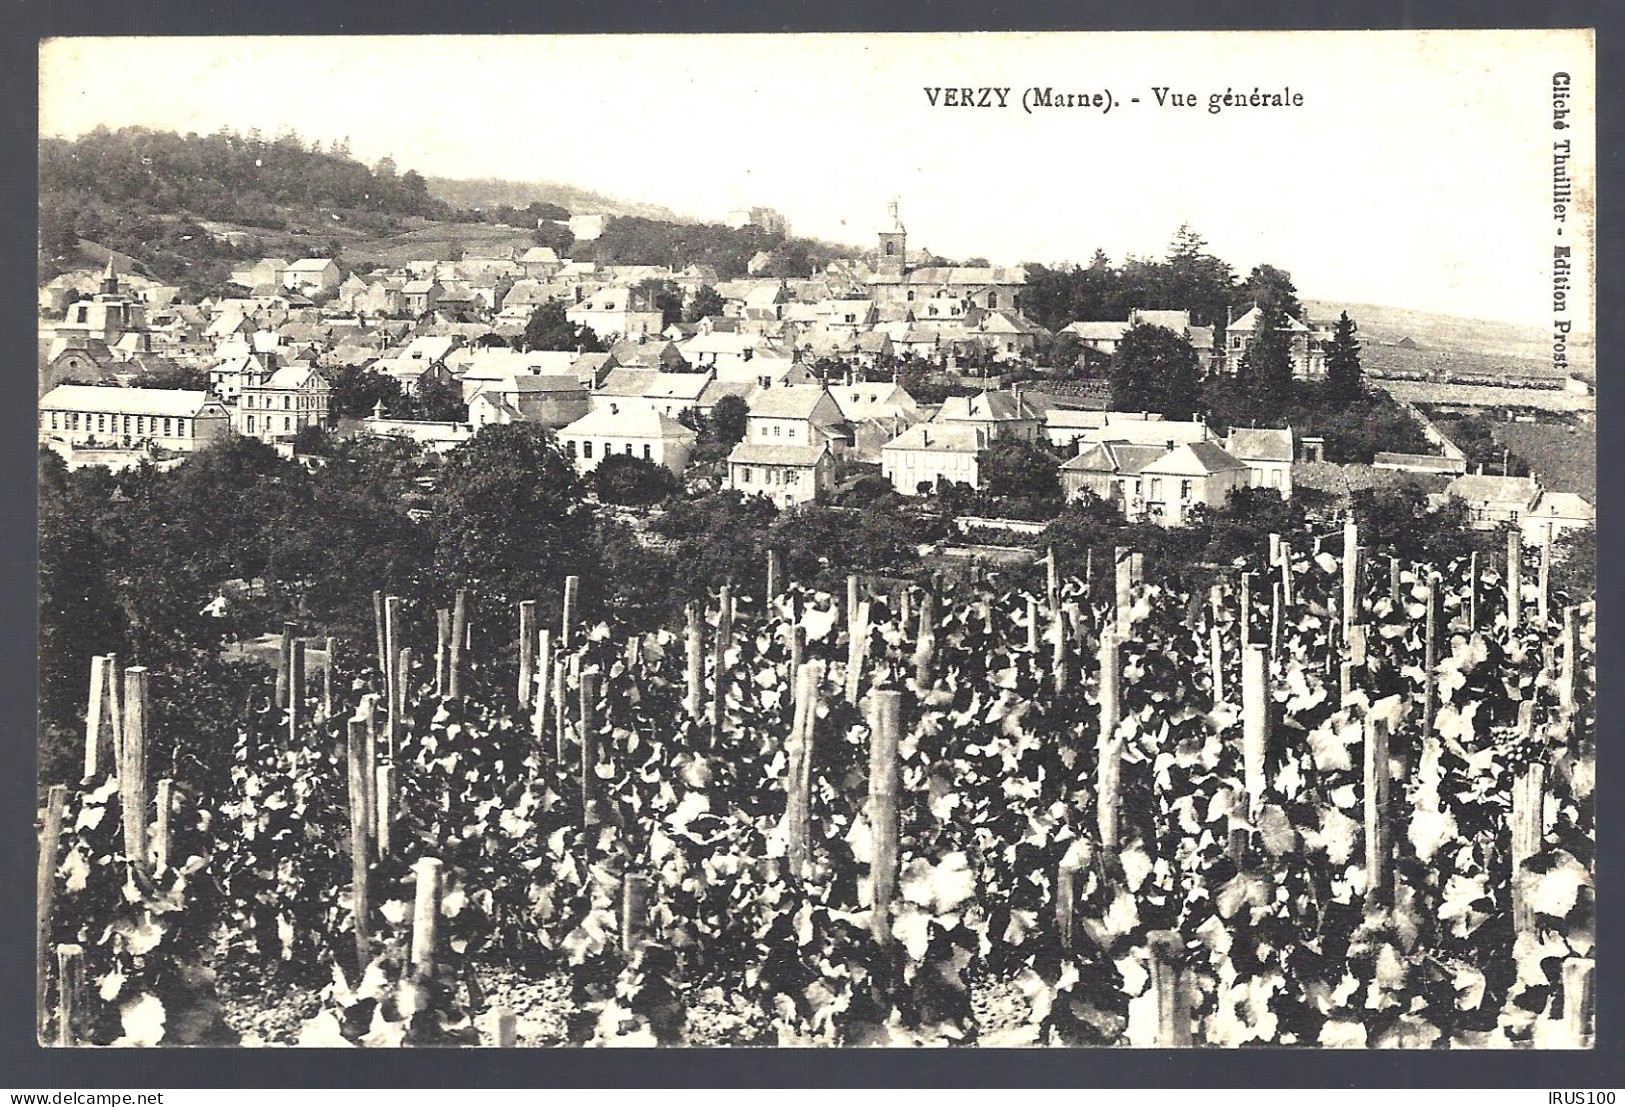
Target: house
266,271
172,418
282,403
421,296
312,275
653,353
1110,471
552,401
1308,356
1191,474
614,311
667,393
106,316
729,354
804,416
381,297
787,475
1006,335
995,413
929,454
634,430
875,400
1553,515
226,377
76,358
1492,500
1267,452
480,368
540,263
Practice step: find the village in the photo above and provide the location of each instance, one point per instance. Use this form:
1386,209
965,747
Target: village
812,364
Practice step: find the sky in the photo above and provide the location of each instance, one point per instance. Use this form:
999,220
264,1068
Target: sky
1416,173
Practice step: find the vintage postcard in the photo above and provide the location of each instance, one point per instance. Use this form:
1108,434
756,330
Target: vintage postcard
842,540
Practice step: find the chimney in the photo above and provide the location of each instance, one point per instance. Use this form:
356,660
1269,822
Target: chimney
1170,445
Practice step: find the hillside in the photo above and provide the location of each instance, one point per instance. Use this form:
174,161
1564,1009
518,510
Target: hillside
488,192
1448,342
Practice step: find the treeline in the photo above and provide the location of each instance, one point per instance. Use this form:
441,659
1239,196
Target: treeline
242,178
635,240
1189,278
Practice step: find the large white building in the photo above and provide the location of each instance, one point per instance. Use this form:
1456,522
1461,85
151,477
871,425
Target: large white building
636,430
127,418
929,453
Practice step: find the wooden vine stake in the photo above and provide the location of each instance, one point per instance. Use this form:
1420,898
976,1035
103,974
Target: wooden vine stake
572,595
634,910
925,643
590,815
1275,621
132,776
1275,550
1052,581
50,842
1472,590
1125,588
327,679
1569,661
1109,760
384,803
1528,829
541,685
165,799
772,579
1066,902
1393,581
296,690
857,651
561,736
378,629
694,700
1580,1001
459,635
1514,578
851,608
527,651
1430,659
1032,626
1543,598
885,728
283,660
1215,647
798,802
1378,834
70,981
506,1024
359,832
1058,660
1255,725
1286,575
425,930
798,651
1169,983
719,662
442,649
369,758
1351,574
98,717
1246,610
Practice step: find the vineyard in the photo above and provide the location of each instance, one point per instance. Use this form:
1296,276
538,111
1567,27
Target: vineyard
1333,800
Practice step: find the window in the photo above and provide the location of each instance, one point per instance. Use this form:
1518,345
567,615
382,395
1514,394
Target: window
789,476
911,295
126,424
101,423
180,427
744,474
1184,490
775,430
648,452
586,449
1275,478
287,424
629,449
1156,488
53,421
570,447
287,403
250,426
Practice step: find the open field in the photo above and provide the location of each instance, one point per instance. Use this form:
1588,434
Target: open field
1563,457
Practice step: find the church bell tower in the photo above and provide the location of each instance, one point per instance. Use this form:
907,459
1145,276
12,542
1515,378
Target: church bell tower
893,244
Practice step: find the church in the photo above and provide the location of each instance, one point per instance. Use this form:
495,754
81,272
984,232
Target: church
894,281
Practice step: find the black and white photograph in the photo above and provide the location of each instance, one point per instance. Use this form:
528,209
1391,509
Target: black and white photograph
838,540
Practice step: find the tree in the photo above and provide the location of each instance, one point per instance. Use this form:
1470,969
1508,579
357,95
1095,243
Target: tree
1023,477
509,522
705,302
1155,369
633,481
1267,285
729,419
1266,368
548,329
1343,360
356,393
440,401
662,296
